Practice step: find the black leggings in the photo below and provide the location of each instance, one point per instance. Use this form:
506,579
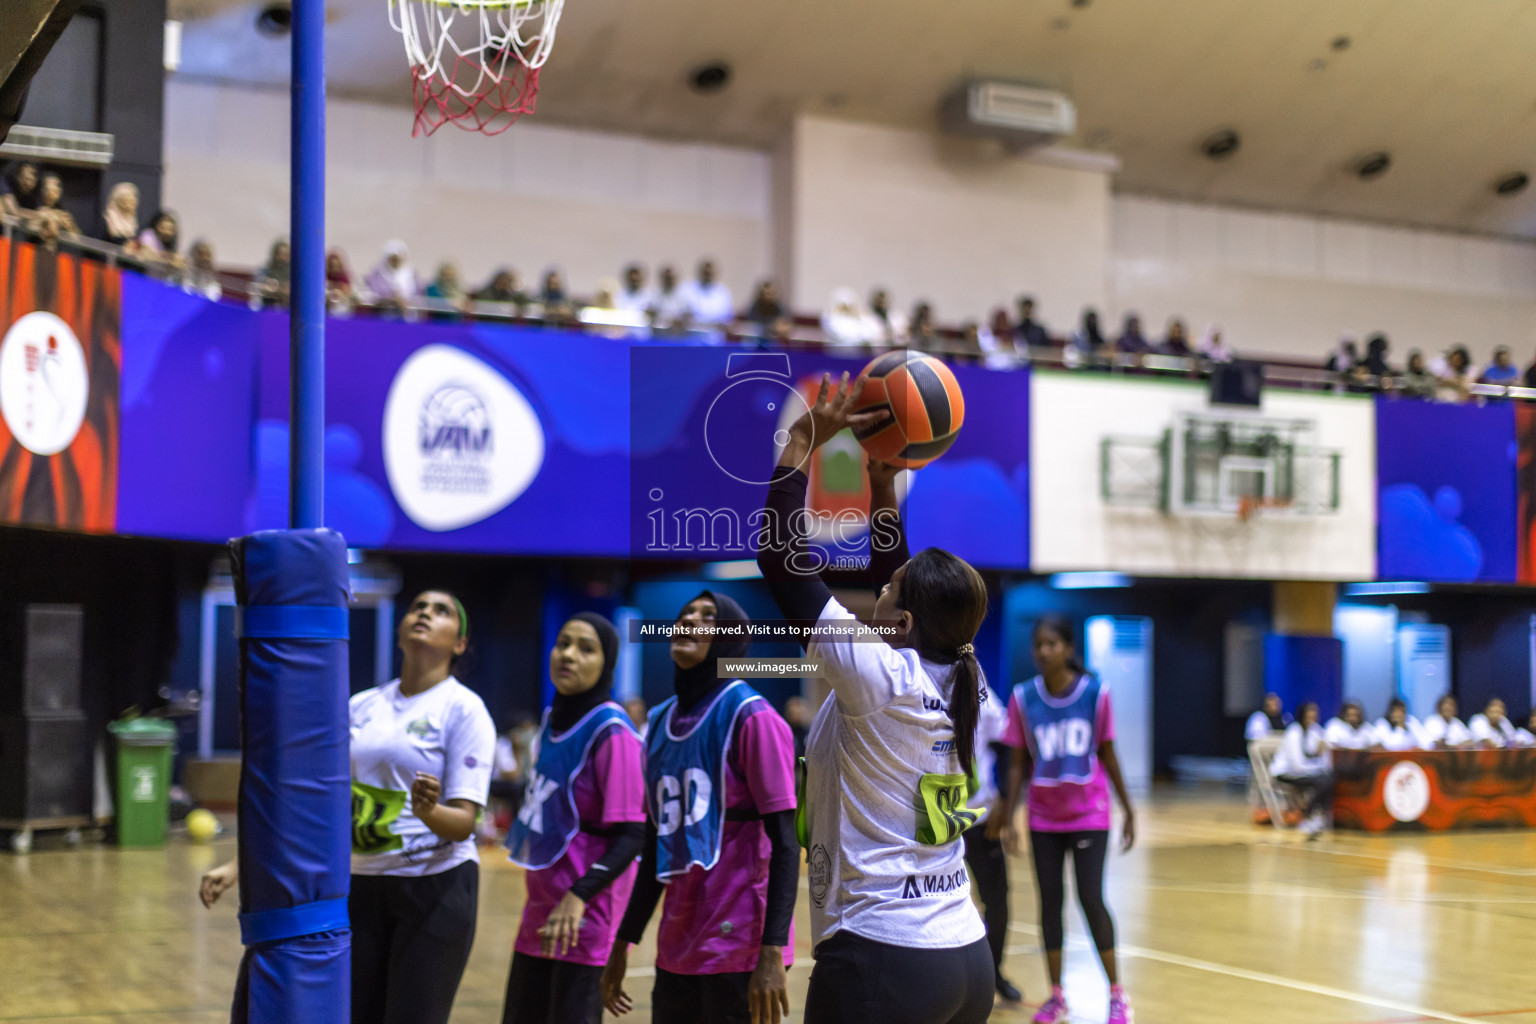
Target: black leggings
705,998
858,979
1316,791
544,991
989,871
1088,849
411,938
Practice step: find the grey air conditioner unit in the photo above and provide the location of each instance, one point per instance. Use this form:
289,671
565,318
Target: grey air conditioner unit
1021,116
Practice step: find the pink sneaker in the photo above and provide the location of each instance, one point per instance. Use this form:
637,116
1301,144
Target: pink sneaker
1053,1010
1119,1007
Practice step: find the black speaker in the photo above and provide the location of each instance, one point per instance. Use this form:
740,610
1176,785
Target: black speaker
45,768
1240,382
50,670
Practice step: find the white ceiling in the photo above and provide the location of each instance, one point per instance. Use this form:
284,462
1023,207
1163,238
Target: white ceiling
1447,87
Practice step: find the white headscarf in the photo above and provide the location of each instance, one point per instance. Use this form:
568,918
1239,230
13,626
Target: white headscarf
845,321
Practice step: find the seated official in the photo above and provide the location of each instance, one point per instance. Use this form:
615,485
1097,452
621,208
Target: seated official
1492,728
1443,730
1397,729
1268,720
1304,763
1348,730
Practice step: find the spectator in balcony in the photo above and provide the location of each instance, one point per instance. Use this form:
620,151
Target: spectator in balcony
201,277
1502,371
505,286
1375,361
1443,730
969,350
922,334
710,306
893,324
1176,341
1087,343
634,296
1303,762
1030,333
1344,357
339,296
120,219
555,303
602,316
49,210
1397,729
999,343
161,241
1131,341
21,193
1416,380
1493,728
393,284
276,277
846,324
1212,348
671,308
766,308
1268,720
1348,730
1456,376
447,290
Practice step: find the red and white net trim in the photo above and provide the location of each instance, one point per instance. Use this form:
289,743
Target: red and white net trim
474,63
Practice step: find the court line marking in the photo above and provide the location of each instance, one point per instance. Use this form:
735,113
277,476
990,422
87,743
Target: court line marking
1264,978
1479,1014
1435,862
1281,889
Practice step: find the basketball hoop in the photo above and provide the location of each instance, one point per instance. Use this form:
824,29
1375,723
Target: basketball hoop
474,63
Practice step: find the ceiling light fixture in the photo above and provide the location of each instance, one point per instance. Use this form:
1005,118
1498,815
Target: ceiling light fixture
275,19
1222,144
711,77
1372,166
1512,184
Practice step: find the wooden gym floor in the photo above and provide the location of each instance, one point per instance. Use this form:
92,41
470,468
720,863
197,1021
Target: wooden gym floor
1219,922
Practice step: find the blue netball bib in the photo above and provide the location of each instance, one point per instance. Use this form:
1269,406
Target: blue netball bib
1061,730
685,779
547,821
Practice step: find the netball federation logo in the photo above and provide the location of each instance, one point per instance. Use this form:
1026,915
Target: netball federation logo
1406,791
43,383
460,442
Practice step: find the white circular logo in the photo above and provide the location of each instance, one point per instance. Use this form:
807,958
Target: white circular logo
43,383
1406,791
460,442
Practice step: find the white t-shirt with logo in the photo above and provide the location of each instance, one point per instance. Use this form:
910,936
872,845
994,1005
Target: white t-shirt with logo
444,731
1343,736
883,785
1484,731
1398,737
1435,729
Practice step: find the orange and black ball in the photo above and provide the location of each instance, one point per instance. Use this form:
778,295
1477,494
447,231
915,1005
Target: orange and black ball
927,408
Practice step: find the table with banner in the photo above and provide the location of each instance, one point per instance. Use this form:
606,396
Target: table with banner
1434,790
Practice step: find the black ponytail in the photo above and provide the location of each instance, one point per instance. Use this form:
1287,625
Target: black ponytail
948,602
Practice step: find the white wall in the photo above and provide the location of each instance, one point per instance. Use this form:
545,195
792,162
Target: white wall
1072,528
533,197
958,222
1286,284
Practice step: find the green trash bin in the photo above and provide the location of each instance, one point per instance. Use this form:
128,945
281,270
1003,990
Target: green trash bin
143,779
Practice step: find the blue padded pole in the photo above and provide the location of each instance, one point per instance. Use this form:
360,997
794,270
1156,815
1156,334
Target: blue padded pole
306,454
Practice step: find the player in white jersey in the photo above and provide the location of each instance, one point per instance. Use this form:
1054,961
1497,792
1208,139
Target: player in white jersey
895,934
422,750
984,853
423,747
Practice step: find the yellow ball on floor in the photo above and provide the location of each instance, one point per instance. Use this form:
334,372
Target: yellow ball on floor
202,826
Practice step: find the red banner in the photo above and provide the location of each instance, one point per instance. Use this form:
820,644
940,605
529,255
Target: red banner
1431,790
60,363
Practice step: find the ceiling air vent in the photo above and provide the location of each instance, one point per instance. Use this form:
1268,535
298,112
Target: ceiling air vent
57,146
1021,115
